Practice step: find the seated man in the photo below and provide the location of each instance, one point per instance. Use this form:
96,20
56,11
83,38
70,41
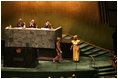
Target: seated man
20,23
48,25
32,24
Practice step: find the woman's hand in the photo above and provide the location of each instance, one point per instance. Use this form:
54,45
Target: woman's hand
71,48
61,52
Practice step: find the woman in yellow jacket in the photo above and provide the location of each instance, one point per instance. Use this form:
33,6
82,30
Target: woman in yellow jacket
75,47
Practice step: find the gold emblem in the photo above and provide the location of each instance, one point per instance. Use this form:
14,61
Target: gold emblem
18,50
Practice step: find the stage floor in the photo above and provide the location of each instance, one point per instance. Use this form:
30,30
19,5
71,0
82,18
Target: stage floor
47,68
66,65
54,69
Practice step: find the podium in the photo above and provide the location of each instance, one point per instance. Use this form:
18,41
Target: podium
32,37
21,45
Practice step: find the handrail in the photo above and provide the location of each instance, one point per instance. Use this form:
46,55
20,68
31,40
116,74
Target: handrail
92,60
92,44
97,46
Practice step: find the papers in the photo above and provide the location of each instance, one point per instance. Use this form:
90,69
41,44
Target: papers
45,29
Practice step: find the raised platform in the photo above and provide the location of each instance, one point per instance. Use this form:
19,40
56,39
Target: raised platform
82,69
53,69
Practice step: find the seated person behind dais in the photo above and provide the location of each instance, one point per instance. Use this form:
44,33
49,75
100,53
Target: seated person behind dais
48,25
32,24
20,23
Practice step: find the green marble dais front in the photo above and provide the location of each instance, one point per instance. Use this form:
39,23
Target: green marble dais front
36,38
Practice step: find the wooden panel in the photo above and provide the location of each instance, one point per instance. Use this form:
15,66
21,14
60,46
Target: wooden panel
25,58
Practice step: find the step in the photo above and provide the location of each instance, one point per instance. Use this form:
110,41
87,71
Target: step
99,53
103,67
87,49
107,73
63,35
83,46
106,69
67,37
111,76
92,51
81,42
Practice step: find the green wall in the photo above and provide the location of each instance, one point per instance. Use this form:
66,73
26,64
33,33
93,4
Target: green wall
75,17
